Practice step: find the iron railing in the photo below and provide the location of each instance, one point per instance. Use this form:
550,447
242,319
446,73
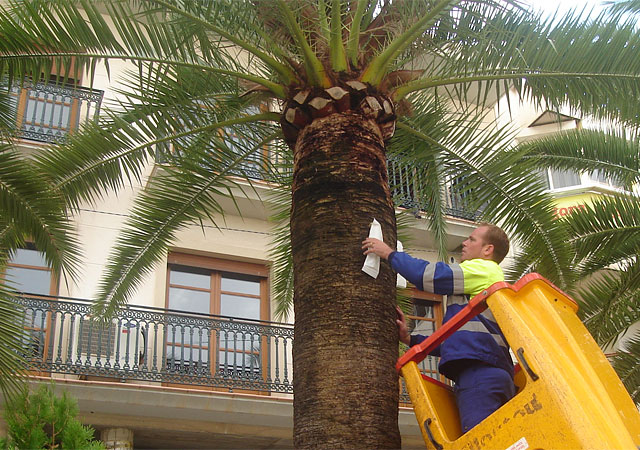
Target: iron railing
161,346
156,345
49,112
402,180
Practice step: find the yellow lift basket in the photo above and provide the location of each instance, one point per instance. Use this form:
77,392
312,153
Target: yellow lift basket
569,396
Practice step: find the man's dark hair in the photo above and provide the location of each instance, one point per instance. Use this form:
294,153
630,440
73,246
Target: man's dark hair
498,238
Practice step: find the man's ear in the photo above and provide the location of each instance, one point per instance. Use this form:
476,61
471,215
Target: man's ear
487,250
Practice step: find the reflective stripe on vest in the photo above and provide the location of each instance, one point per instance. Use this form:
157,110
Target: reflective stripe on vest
478,327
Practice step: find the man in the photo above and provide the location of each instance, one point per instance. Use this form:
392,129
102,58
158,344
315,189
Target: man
476,357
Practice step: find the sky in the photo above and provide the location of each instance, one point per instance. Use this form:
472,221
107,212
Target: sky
550,6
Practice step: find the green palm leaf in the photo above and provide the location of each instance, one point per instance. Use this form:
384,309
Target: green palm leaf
608,303
612,153
549,65
31,209
626,363
13,339
185,192
498,182
624,6
606,232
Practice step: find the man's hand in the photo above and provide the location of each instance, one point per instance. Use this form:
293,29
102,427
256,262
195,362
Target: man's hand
403,331
376,246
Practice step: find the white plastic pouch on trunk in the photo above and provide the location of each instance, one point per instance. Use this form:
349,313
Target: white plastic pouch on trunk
372,264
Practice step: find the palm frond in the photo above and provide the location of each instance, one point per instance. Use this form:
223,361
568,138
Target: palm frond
113,152
280,249
610,153
7,113
495,180
605,232
14,343
609,302
355,29
185,191
200,25
52,34
315,71
627,364
548,63
280,254
418,176
31,209
336,45
623,6
180,36
379,66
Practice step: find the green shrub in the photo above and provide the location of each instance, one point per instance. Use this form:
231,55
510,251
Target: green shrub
41,420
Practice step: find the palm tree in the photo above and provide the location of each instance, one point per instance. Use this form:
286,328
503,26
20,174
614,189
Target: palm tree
606,238
30,210
345,85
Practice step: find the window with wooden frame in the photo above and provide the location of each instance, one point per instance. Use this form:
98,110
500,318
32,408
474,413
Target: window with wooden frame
28,272
230,140
234,139
48,110
235,291
426,318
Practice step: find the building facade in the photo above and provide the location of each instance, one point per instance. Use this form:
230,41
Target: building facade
197,359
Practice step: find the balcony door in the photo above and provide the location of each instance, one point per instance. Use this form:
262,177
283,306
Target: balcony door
207,286
27,272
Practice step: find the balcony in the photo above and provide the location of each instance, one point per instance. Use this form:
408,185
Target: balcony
403,186
401,180
160,347
49,112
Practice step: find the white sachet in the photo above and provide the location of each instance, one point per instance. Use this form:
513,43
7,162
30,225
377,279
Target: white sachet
372,264
400,280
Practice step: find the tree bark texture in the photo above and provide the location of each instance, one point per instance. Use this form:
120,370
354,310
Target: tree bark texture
346,342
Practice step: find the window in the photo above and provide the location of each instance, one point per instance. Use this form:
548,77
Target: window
543,175
209,286
564,178
601,177
28,272
231,142
48,111
425,319
238,138
401,178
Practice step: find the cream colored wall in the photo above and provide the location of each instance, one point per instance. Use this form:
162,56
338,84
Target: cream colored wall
510,111
235,238
97,227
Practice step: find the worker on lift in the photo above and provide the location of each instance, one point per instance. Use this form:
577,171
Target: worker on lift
476,357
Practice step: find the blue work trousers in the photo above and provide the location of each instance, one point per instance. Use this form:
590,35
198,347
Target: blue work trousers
480,390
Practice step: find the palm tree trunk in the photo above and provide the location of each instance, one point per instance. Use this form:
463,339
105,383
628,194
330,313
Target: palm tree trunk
346,344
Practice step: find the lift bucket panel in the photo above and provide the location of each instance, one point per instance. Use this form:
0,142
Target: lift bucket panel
569,396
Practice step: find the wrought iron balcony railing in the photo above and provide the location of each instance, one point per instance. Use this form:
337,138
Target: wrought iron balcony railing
403,186
49,112
401,179
156,345
170,348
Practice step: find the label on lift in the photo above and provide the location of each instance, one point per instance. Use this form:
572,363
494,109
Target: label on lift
522,444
